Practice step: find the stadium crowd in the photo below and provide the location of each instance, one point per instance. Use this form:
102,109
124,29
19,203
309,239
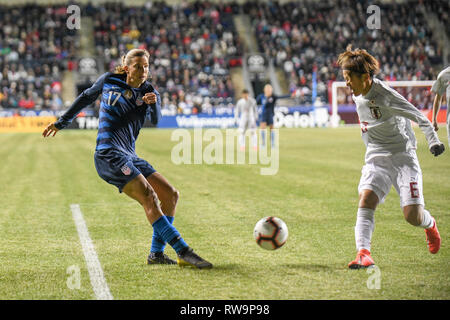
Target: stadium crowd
194,45
306,39
192,48
35,48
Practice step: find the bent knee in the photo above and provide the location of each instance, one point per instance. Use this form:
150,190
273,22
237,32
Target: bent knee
368,199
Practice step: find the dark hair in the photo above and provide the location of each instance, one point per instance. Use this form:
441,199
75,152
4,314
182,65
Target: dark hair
358,61
245,91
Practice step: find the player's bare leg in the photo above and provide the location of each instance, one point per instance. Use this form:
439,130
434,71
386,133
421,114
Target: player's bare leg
140,190
365,224
416,215
167,194
168,197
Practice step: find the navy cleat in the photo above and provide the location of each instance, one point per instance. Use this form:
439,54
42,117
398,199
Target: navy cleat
159,258
187,257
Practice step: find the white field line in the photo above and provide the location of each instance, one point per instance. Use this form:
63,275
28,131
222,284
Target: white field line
98,281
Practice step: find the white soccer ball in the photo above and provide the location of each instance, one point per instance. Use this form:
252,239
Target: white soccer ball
270,233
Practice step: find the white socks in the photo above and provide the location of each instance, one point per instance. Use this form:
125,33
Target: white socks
427,220
254,139
365,224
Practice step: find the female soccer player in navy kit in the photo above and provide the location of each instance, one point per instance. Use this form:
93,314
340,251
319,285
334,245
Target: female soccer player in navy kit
268,102
127,100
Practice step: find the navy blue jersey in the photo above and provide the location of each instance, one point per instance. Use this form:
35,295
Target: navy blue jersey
122,111
268,103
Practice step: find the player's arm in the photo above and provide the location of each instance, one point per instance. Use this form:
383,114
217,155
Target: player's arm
402,107
438,88
436,107
285,96
87,97
237,111
153,100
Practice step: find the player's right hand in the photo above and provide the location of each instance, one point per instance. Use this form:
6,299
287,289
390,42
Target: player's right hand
437,149
49,130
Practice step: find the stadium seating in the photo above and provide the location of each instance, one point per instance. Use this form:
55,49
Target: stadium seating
35,47
192,47
307,38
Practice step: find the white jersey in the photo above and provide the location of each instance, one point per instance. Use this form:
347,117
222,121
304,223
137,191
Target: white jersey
442,85
385,117
246,108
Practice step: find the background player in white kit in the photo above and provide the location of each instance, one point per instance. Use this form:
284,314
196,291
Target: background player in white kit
246,115
390,156
440,87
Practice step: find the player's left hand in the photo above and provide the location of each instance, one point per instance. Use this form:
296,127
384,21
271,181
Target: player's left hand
149,98
437,149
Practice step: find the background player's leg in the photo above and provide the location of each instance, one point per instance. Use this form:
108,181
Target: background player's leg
263,132
272,136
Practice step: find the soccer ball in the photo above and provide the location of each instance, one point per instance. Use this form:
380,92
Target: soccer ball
270,233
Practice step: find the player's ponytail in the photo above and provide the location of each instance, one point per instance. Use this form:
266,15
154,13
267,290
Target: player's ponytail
126,59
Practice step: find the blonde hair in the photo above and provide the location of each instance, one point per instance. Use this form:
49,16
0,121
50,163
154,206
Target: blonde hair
126,59
359,61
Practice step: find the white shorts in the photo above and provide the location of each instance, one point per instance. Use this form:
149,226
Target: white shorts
401,170
246,122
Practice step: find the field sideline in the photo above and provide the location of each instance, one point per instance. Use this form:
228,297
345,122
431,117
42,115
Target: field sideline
314,192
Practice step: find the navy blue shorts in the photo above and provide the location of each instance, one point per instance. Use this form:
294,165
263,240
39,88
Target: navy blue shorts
118,168
267,117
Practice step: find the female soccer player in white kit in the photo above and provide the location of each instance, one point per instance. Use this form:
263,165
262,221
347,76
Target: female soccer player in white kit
246,115
440,87
390,156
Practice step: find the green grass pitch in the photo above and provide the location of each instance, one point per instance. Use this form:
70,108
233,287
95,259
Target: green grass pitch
314,192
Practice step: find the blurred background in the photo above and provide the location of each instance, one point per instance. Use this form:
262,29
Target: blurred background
204,53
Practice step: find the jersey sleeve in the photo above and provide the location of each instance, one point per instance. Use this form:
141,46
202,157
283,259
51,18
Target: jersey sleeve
87,97
154,110
401,107
438,86
283,96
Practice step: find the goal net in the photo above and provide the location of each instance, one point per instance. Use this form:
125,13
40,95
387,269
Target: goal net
343,108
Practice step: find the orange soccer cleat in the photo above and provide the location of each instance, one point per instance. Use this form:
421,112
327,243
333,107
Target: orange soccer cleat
363,260
433,238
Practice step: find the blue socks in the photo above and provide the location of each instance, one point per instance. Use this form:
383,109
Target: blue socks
159,244
164,231
263,137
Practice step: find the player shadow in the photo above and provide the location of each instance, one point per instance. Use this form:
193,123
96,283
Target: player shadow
310,266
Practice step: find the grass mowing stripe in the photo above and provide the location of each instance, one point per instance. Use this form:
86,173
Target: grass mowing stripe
98,281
